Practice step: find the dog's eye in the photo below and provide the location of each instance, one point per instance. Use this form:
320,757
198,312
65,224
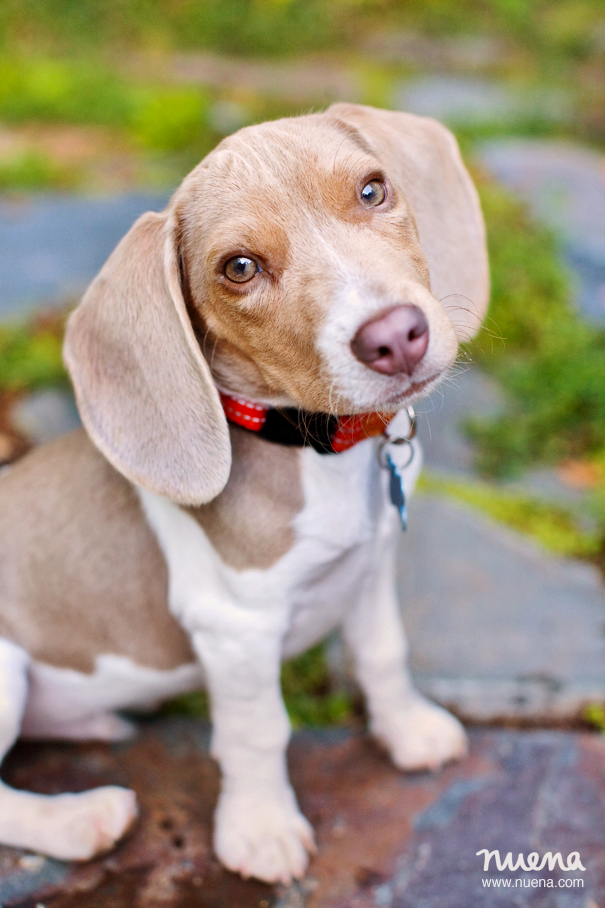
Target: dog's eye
373,193
241,269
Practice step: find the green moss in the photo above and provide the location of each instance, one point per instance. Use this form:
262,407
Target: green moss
553,527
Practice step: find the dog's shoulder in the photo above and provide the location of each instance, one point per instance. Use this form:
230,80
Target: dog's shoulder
251,522
81,572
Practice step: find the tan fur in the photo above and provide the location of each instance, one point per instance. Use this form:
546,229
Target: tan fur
161,321
432,234
140,379
422,156
250,522
286,193
295,235
81,572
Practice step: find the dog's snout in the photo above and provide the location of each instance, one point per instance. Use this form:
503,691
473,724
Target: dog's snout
393,342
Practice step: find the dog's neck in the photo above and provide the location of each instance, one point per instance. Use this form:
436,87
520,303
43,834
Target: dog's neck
289,426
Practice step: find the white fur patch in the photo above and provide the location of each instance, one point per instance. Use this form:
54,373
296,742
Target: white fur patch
351,379
308,590
63,696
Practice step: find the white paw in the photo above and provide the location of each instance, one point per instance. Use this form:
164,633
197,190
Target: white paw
79,827
421,735
263,836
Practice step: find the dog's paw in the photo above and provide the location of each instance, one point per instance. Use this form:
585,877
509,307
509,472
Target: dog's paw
79,827
421,736
263,836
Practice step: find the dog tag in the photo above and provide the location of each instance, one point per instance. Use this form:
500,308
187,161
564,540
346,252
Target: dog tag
396,491
396,455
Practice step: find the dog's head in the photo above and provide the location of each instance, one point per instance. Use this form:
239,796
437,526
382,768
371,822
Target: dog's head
330,262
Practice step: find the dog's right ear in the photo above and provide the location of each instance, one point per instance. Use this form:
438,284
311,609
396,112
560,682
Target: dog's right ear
144,390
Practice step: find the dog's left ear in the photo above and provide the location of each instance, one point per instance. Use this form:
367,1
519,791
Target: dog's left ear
422,159
144,390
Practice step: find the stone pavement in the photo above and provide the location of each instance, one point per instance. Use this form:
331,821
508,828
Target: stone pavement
499,629
466,100
386,840
564,185
51,246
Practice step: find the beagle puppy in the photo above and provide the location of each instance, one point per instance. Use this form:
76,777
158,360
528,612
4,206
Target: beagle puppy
309,274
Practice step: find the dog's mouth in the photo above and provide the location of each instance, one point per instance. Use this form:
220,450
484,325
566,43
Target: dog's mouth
412,391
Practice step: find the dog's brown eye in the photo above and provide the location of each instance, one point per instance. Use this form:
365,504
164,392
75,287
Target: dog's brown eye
373,193
241,269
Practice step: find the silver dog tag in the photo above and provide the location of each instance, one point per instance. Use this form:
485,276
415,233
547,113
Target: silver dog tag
396,491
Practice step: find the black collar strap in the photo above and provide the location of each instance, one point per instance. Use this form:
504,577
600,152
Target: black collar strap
300,428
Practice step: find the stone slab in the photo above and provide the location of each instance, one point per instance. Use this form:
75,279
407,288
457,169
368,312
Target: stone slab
564,185
51,246
499,629
385,840
440,420
462,100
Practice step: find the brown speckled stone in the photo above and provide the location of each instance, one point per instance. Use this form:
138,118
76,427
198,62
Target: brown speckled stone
386,840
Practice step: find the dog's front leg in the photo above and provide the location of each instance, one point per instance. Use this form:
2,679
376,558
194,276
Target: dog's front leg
237,625
259,830
417,733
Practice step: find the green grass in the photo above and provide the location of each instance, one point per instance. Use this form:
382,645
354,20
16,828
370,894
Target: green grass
569,28
594,715
308,693
154,115
306,689
551,364
31,171
553,527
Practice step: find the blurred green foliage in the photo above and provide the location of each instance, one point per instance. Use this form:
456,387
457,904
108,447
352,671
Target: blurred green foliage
30,355
35,170
308,691
552,526
550,362
161,117
287,27
594,715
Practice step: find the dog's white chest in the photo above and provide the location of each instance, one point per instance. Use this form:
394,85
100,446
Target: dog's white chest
308,589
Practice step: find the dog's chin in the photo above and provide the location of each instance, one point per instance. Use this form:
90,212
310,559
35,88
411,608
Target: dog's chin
392,401
395,399
415,391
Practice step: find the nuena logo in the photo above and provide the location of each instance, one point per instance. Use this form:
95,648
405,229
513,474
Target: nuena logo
533,861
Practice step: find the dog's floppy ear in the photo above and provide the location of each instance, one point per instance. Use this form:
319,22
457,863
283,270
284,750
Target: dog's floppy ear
422,159
143,387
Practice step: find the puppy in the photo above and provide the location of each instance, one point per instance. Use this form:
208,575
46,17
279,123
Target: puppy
309,274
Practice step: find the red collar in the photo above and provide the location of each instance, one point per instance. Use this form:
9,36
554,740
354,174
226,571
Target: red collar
301,428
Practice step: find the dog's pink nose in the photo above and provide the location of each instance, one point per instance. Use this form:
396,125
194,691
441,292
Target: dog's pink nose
394,341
